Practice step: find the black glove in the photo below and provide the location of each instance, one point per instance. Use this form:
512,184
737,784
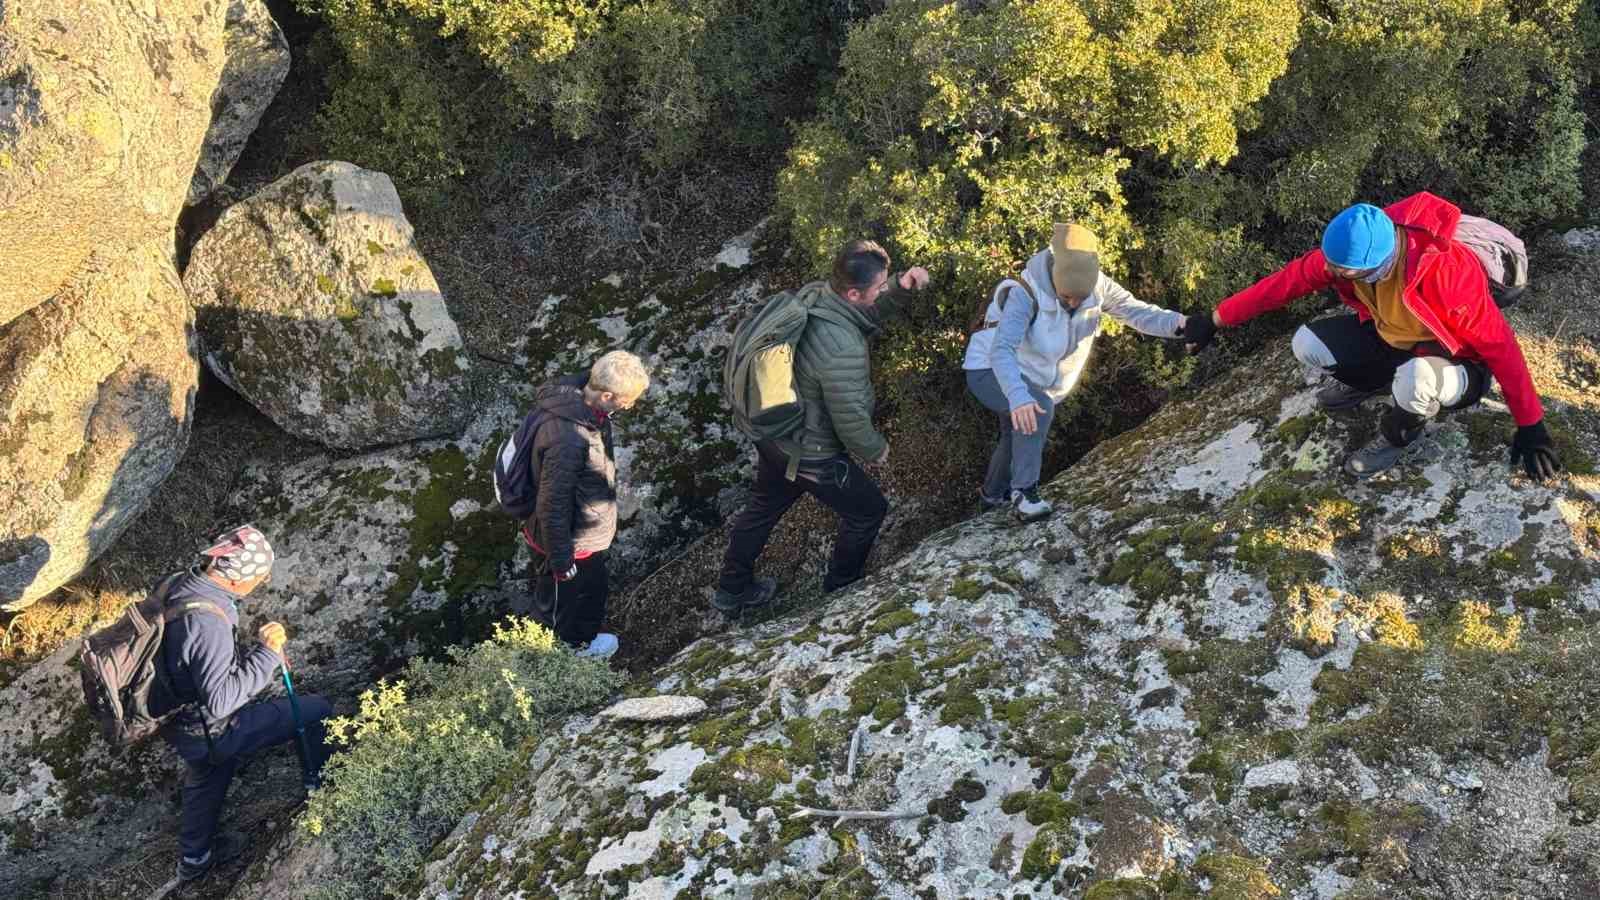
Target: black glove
1533,448
1198,332
570,573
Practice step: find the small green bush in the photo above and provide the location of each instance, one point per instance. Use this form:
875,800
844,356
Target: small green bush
425,746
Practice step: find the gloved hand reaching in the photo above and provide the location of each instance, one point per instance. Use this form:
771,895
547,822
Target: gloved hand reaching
1198,331
570,573
1533,448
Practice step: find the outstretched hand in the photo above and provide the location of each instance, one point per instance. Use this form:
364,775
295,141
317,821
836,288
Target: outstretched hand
1198,330
1025,418
914,279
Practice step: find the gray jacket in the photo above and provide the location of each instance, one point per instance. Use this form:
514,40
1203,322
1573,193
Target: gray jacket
1049,351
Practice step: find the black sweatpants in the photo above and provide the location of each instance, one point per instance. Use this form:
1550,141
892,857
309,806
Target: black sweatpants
574,609
839,483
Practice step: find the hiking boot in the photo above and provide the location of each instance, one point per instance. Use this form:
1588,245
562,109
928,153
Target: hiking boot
987,503
603,645
1377,456
1339,397
758,594
223,850
1027,506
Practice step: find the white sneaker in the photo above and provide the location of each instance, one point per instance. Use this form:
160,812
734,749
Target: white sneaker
602,646
1027,506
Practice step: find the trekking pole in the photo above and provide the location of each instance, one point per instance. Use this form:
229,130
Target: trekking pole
309,781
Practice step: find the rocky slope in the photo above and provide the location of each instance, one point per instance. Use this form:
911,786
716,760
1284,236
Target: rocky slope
1223,669
386,554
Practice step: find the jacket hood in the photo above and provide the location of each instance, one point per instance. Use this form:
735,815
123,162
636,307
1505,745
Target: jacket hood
564,398
1428,213
1038,271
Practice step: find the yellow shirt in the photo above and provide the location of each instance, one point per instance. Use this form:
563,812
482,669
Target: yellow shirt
1397,325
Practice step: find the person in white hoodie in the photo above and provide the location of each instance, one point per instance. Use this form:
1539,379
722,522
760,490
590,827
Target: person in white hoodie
1031,350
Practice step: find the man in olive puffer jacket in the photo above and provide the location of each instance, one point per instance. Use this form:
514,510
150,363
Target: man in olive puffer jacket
575,518
834,379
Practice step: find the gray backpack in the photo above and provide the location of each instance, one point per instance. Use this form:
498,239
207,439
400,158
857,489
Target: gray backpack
758,374
118,666
1504,258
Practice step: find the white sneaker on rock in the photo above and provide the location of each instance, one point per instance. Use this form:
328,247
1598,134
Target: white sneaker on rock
603,645
1028,506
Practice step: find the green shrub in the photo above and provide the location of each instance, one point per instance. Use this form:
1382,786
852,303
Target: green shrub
1476,100
425,746
429,90
958,132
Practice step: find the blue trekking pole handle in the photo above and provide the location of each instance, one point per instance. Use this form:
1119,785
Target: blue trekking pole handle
304,749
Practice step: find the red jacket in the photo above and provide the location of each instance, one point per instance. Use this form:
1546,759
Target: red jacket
1445,288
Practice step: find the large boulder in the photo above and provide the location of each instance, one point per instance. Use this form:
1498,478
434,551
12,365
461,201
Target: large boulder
314,303
95,404
103,106
257,62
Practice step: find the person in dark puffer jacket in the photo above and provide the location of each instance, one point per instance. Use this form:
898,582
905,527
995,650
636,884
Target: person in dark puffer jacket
211,681
575,519
834,379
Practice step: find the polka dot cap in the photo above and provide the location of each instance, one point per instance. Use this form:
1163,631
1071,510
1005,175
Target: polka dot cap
240,554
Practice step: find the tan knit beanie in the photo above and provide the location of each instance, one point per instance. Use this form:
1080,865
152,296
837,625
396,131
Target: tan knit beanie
1074,260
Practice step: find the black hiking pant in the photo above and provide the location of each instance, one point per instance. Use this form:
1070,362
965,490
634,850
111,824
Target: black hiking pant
252,728
574,609
838,483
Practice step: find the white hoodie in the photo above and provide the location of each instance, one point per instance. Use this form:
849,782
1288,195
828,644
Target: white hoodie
1050,352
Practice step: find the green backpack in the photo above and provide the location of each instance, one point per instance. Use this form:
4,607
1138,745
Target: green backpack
758,374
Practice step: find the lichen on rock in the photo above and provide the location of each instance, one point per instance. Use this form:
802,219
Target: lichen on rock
334,342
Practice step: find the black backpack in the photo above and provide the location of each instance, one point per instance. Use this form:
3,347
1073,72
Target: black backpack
119,663
515,487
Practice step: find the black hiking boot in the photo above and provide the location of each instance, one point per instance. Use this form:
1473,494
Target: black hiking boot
1340,397
224,849
759,594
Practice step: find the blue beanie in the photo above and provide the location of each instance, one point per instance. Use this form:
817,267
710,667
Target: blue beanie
1361,237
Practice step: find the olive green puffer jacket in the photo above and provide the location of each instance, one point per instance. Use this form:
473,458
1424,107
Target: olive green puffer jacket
834,376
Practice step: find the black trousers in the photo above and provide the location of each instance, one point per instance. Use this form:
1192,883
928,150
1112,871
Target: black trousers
574,609
251,728
1363,360
839,483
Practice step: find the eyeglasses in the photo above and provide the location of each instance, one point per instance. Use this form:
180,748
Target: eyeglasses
1351,274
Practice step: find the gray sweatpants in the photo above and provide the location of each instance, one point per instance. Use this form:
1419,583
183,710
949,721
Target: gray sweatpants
1016,460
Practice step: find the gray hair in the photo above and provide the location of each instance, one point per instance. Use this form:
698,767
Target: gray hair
619,372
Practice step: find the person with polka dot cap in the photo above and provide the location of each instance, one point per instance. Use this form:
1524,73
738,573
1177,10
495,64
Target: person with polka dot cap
210,681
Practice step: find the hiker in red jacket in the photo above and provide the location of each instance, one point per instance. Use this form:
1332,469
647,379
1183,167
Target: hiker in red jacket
1424,329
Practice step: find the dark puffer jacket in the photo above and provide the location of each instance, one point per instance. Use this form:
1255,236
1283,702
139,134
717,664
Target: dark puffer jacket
833,373
576,467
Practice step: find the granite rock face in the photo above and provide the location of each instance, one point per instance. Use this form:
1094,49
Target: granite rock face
257,63
314,303
1223,666
103,109
95,406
